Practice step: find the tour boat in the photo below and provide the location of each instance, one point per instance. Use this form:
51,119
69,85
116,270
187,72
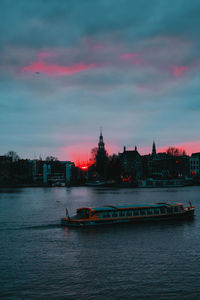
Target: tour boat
109,214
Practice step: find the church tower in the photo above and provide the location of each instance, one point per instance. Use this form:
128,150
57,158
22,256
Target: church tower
101,144
154,149
101,158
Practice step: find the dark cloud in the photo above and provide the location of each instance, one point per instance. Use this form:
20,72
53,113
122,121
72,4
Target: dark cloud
142,80
61,23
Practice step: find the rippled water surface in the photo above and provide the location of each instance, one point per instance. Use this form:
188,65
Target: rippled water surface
39,259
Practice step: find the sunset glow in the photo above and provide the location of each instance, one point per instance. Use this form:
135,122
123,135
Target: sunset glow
83,165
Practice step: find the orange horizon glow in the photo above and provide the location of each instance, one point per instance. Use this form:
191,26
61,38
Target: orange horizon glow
189,147
80,154
83,165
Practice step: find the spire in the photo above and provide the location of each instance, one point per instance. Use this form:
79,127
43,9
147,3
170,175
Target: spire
101,143
101,158
154,149
100,131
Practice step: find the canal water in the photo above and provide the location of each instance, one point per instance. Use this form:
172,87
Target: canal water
39,259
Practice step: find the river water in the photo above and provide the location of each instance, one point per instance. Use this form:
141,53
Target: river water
39,259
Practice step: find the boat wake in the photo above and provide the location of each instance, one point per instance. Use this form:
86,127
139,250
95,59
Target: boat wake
44,226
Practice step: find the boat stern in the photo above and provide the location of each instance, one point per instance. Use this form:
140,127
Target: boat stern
65,221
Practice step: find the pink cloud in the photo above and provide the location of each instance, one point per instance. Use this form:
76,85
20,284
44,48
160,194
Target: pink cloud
97,47
142,87
43,55
134,58
178,70
129,56
55,69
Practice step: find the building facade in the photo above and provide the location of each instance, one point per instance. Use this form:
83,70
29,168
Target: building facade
131,163
195,164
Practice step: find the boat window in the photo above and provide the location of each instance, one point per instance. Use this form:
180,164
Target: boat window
121,213
163,210
129,212
169,210
84,213
176,209
102,215
149,211
136,212
107,214
114,214
156,211
142,212
80,214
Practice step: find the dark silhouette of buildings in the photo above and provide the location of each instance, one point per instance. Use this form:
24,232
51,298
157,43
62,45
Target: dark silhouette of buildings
129,167
154,149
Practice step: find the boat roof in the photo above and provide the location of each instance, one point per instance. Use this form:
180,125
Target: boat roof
114,207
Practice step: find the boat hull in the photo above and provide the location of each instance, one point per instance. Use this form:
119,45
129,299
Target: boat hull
189,214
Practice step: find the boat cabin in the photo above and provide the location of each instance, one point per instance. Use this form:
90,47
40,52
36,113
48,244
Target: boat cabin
129,211
110,214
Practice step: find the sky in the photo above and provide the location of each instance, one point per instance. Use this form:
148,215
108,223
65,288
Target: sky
68,68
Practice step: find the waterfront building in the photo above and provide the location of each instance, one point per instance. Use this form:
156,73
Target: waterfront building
164,165
131,163
195,164
45,173
68,173
5,169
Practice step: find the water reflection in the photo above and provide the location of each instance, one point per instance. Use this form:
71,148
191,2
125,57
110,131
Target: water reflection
67,232
11,190
157,260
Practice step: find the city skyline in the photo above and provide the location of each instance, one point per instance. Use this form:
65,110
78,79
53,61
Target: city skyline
68,68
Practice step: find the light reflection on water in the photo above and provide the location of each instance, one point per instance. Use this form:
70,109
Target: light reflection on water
39,259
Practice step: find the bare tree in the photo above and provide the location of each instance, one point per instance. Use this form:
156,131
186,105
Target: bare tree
51,158
13,155
94,154
175,151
